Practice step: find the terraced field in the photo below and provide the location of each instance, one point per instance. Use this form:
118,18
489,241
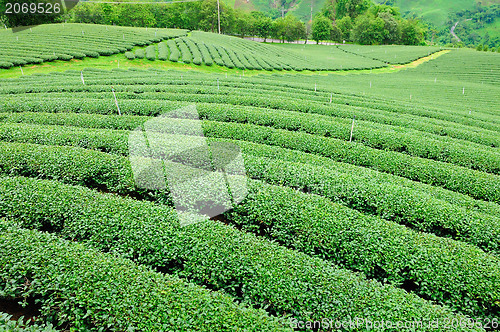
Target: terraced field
73,41
202,48
391,217
394,54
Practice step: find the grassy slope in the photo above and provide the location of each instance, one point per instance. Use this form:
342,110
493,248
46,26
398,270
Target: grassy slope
439,82
120,61
437,11
300,8
492,29
434,11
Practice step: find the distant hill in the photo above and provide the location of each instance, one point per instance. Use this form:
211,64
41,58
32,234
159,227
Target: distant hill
433,11
441,14
300,8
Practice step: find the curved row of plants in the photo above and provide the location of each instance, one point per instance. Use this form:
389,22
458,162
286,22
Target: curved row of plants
378,136
79,287
253,270
85,40
237,97
476,184
308,223
125,122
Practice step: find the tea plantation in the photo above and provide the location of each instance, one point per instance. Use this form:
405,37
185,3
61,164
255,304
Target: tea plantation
372,197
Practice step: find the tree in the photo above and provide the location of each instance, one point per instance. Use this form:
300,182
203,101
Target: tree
412,33
368,30
136,16
262,27
341,9
479,47
243,23
329,9
208,14
345,25
485,48
377,9
336,34
354,8
321,28
89,13
294,29
279,29
392,29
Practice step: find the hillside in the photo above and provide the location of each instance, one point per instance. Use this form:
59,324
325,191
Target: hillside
433,11
440,14
229,191
472,28
300,8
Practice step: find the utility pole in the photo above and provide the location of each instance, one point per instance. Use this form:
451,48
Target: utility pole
282,11
311,10
218,15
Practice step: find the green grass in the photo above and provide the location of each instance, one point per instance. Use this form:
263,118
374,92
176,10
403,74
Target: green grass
434,11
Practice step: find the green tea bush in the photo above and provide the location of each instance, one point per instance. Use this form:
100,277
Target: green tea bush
272,211
7,324
449,272
140,54
151,52
84,289
130,55
174,51
186,55
162,52
253,270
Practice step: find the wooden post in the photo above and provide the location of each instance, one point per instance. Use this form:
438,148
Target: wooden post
22,73
331,96
116,101
81,76
352,128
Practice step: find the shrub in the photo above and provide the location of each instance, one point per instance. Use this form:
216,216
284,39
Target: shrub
151,52
7,324
65,57
87,290
130,55
140,54
5,64
162,51
174,51
254,270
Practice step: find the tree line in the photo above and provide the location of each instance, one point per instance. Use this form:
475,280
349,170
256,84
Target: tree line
367,23
359,21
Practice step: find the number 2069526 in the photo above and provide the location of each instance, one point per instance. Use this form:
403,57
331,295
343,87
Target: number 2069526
32,8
